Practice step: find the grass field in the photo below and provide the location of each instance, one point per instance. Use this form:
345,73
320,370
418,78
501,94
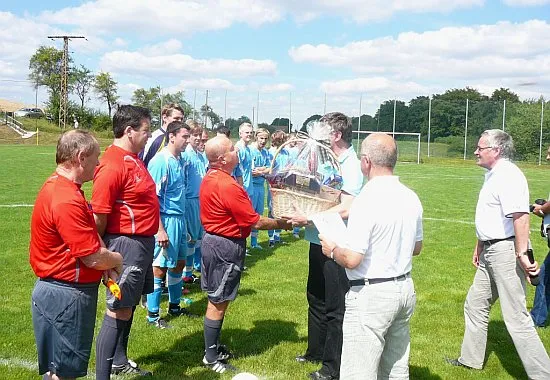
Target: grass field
266,326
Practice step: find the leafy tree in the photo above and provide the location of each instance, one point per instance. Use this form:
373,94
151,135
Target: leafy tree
208,113
233,124
106,89
280,123
152,100
505,94
83,81
45,68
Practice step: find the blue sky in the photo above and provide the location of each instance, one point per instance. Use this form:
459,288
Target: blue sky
378,49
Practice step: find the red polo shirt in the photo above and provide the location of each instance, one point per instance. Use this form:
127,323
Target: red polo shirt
124,189
225,209
62,231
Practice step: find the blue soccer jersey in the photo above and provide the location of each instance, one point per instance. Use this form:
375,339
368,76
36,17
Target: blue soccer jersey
169,175
260,158
245,165
196,164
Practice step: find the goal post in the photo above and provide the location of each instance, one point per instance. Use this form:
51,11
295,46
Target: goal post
405,150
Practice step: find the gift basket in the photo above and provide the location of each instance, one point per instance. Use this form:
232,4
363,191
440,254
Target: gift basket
311,179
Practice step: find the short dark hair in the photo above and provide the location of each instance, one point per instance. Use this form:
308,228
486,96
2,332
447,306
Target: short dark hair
175,126
129,115
223,129
339,123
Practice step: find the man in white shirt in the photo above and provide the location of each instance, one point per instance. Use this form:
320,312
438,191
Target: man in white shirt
384,232
502,228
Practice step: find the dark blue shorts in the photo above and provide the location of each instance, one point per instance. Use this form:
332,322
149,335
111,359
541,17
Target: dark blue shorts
221,266
137,270
63,317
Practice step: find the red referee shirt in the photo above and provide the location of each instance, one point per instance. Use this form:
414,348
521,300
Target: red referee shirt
124,189
225,209
62,231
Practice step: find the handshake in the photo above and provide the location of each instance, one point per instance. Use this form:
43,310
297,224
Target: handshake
539,202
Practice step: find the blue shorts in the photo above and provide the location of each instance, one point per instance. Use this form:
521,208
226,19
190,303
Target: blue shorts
174,225
63,317
193,219
258,198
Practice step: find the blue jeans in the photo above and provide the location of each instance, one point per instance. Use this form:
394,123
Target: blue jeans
539,312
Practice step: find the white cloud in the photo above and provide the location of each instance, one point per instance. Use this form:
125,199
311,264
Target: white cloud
277,87
525,3
176,65
461,54
162,17
162,48
204,84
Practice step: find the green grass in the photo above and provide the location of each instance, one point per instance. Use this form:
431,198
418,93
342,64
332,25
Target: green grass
267,325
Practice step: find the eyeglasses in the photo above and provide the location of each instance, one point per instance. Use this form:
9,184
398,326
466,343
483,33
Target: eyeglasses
484,147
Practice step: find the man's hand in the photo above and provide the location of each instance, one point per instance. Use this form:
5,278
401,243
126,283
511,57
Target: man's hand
162,238
530,269
298,218
327,245
475,258
537,210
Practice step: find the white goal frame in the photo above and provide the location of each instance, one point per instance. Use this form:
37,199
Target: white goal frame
393,135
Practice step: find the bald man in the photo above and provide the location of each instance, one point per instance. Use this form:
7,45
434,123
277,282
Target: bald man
383,236
228,217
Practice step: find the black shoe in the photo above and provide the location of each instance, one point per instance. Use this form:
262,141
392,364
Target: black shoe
160,324
456,363
218,366
317,375
223,353
304,359
181,311
130,368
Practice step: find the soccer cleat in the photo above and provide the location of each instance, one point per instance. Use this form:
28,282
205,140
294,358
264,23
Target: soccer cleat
159,324
457,363
191,279
271,244
296,235
130,368
178,312
223,353
218,366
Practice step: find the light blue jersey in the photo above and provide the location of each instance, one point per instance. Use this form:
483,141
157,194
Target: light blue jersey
195,169
169,174
245,165
260,158
281,160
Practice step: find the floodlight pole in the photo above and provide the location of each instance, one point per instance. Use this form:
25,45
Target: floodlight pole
466,129
394,107
64,95
503,114
195,106
206,112
429,123
225,107
290,114
258,111
325,109
359,124
541,122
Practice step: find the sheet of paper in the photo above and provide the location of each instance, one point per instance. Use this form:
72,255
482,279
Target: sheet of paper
331,225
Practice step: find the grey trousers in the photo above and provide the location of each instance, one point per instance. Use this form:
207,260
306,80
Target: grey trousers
500,275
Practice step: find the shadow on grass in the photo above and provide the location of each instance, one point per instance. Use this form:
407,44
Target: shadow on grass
187,353
500,342
423,373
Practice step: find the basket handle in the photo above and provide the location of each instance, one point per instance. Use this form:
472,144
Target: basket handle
315,142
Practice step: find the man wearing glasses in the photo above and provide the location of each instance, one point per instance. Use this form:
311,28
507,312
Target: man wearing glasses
502,229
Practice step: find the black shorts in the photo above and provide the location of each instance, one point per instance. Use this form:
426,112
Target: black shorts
63,318
221,266
137,270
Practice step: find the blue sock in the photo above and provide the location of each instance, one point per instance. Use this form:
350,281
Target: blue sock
296,230
270,233
277,235
175,286
189,260
153,301
254,238
197,257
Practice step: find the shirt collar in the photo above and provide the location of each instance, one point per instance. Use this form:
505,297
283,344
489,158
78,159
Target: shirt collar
348,153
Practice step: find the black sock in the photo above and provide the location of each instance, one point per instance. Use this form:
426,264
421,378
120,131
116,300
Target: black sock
121,353
212,330
106,343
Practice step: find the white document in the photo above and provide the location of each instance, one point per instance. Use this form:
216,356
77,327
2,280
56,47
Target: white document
331,225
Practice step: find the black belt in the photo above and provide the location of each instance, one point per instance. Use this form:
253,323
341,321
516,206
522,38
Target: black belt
372,281
494,241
